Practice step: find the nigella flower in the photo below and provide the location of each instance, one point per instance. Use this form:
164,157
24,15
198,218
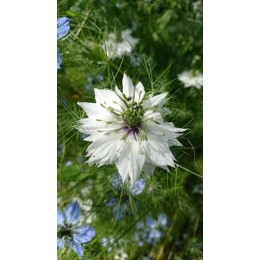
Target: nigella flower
69,230
127,129
121,255
120,208
157,228
152,231
191,79
108,242
116,47
63,27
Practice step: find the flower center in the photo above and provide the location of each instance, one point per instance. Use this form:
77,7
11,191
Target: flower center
133,117
65,230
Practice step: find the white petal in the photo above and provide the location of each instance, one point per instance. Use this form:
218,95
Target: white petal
139,92
109,99
128,87
118,92
174,142
105,150
157,150
90,126
165,129
89,108
155,116
158,100
96,111
95,136
147,102
130,161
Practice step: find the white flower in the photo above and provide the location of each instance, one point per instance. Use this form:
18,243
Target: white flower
191,79
127,129
121,255
118,48
87,189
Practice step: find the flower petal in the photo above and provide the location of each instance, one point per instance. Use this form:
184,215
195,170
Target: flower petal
151,222
84,234
130,161
165,129
154,235
91,126
118,92
63,27
72,213
60,216
128,87
97,112
58,59
116,181
104,241
76,247
138,187
111,202
107,242
153,116
110,100
163,220
157,150
105,150
158,100
60,242
139,92
95,136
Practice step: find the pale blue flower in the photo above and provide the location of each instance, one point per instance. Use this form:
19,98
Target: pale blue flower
68,163
154,236
152,231
63,27
137,187
157,228
116,181
111,202
70,231
161,221
108,242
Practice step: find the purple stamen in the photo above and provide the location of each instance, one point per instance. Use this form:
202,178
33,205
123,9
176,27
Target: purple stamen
132,130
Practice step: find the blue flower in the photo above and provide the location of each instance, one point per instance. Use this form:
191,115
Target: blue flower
160,222
119,210
70,231
63,27
152,231
138,187
157,228
108,242
116,182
